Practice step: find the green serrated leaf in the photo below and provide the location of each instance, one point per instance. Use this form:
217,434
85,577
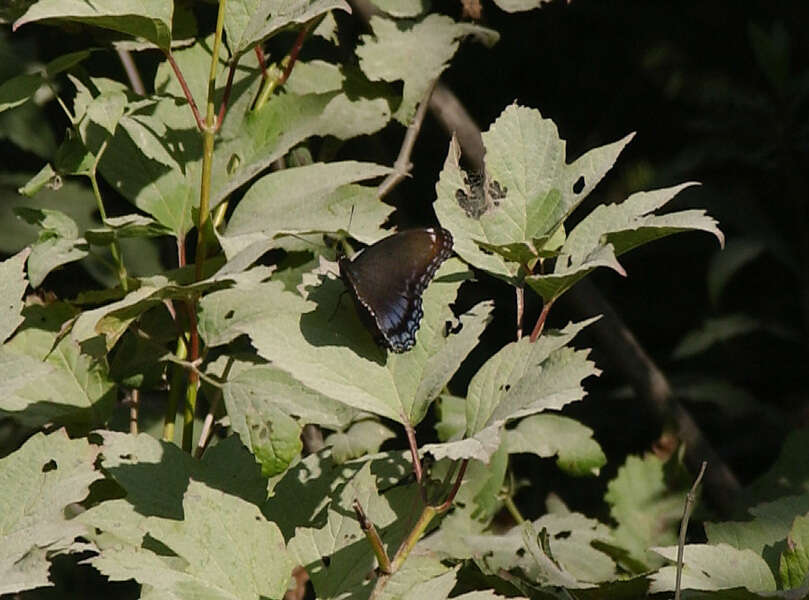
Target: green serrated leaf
229,550
647,512
550,435
250,22
18,90
45,177
273,437
149,19
12,274
794,566
536,189
306,199
58,244
707,567
611,230
416,53
328,350
363,108
360,439
37,483
74,390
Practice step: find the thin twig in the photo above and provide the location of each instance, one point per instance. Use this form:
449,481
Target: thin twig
207,426
131,70
519,291
134,404
373,538
186,91
402,166
690,499
414,451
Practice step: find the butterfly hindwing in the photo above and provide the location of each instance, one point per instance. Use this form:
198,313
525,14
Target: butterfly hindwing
388,278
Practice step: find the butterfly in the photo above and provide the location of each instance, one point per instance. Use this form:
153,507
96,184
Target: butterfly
388,278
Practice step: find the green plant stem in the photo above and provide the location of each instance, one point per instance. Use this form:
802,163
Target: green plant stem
115,249
373,538
512,509
175,389
191,389
690,500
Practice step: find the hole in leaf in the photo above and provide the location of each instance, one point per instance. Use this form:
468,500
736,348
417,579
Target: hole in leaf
562,535
326,560
229,314
521,552
49,466
579,185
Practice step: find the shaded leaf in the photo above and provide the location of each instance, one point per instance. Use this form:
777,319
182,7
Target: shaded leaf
37,483
12,274
549,435
647,512
416,53
229,550
330,351
360,439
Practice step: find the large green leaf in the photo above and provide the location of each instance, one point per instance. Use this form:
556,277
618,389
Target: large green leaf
320,341
149,19
310,198
73,387
549,435
363,107
647,512
522,379
58,242
228,550
528,190
414,52
611,230
337,555
37,483
250,22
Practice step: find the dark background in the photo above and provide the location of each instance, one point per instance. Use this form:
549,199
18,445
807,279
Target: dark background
718,92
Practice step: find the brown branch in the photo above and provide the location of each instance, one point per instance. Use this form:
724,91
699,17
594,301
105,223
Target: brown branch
519,291
131,70
630,359
186,91
402,166
373,538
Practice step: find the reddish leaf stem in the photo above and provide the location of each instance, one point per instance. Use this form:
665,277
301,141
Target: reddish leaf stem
455,487
262,63
226,97
541,321
186,91
292,57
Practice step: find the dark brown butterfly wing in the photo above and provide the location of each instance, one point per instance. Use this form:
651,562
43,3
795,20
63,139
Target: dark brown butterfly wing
388,278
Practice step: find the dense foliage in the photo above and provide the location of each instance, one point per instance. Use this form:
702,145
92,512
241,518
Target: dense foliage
190,407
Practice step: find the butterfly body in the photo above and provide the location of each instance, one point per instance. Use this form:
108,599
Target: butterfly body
388,278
